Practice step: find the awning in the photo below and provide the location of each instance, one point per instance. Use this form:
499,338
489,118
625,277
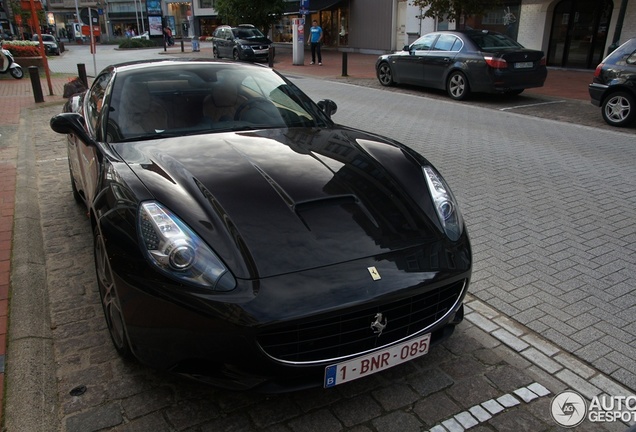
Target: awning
293,7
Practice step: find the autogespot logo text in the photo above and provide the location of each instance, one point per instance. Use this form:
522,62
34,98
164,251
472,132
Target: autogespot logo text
568,409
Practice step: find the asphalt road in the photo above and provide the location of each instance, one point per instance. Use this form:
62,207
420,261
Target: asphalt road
550,209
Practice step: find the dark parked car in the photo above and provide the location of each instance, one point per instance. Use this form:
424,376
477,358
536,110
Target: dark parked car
462,62
613,87
51,44
243,239
244,42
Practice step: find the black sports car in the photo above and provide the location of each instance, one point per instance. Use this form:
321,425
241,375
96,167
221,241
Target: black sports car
244,239
465,61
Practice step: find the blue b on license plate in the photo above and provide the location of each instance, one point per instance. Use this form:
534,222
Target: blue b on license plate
376,361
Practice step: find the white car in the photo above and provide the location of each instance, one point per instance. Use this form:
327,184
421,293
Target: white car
144,35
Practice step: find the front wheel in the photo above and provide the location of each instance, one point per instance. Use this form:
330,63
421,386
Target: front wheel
619,109
235,55
110,300
17,73
385,76
457,86
215,53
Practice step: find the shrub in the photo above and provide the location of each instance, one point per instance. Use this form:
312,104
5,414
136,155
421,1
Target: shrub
137,43
22,48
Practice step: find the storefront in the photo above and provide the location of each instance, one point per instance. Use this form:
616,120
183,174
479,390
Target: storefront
579,32
332,17
179,18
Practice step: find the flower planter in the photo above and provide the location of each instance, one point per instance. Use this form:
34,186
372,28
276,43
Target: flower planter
25,62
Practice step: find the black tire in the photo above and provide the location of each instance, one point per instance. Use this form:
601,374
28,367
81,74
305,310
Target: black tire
215,53
110,300
619,109
457,86
385,75
76,195
17,73
235,55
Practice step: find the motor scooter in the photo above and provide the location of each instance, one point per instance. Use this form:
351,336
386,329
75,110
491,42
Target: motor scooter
9,65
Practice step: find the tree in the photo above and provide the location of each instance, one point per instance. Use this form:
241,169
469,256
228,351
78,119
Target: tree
260,13
453,10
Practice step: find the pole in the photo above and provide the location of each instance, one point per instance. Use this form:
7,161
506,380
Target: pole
42,52
93,47
78,21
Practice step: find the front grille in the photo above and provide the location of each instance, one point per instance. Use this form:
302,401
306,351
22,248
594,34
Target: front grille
329,338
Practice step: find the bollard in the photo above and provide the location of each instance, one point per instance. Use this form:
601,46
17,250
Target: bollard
270,56
81,73
34,73
182,49
344,64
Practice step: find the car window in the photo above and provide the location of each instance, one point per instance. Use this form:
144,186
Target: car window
94,101
447,42
493,41
626,53
424,43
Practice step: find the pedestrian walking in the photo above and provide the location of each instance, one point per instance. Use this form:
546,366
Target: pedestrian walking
315,39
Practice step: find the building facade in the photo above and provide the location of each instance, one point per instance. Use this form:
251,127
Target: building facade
572,33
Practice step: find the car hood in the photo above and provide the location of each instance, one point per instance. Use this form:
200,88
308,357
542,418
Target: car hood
255,41
273,202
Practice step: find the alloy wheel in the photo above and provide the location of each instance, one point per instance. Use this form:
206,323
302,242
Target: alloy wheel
110,300
457,86
618,109
384,74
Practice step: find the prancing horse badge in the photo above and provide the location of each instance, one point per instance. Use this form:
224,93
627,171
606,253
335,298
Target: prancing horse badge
375,274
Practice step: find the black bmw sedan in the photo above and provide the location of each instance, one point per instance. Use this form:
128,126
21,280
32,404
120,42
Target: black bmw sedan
465,61
244,239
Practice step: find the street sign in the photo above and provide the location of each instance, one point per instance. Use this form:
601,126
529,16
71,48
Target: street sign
304,7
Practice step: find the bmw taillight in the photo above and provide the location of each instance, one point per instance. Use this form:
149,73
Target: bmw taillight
496,63
542,62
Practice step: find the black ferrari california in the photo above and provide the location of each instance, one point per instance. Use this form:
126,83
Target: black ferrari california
243,239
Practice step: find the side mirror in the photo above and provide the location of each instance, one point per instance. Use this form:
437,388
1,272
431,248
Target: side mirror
71,123
406,48
328,106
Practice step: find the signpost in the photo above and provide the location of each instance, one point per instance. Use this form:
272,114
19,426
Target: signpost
298,34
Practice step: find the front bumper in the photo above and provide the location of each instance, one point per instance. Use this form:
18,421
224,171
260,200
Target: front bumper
230,339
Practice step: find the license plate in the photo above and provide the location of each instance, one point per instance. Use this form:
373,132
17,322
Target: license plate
523,65
261,51
376,361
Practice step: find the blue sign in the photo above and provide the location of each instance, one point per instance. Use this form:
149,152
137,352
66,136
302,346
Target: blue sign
304,7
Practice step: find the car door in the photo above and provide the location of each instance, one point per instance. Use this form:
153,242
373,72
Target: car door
409,69
221,42
86,156
440,59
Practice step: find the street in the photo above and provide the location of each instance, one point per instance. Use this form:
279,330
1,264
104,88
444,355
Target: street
549,207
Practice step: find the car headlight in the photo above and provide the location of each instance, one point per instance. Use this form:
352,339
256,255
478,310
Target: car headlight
246,48
177,251
445,203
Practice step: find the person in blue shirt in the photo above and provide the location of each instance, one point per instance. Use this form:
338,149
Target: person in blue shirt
315,38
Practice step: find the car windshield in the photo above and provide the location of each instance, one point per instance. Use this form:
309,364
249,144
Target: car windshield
45,38
493,41
247,33
186,99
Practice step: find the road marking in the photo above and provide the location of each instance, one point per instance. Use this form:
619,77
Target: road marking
531,105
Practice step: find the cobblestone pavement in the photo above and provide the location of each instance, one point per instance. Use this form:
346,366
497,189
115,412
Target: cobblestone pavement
551,219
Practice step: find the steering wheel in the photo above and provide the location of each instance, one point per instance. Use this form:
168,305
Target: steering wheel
257,103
